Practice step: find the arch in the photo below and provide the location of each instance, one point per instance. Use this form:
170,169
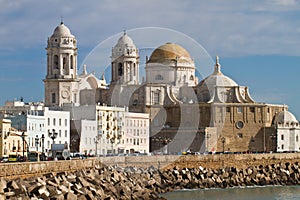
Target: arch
191,78
184,78
134,69
72,61
55,61
120,69
93,82
64,62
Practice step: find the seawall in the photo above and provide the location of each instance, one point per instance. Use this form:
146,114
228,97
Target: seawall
163,162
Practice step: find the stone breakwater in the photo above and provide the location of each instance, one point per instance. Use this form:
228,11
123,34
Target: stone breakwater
143,183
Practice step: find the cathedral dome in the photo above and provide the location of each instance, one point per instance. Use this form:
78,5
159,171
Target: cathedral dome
170,52
285,117
62,30
217,78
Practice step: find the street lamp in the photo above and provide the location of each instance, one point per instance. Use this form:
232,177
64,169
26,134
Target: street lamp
166,142
23,141
223,142
96,144
112,140
37,139
52,135
43,140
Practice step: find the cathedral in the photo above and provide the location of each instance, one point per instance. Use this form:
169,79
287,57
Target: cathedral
212,115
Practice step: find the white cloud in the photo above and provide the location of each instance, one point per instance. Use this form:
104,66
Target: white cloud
246,28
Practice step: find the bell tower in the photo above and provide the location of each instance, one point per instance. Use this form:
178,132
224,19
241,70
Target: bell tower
61,81
125,62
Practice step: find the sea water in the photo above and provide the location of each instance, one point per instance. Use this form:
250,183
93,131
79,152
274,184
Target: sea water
245,193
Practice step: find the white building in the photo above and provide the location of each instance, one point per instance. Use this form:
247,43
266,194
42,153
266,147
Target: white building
88,137
288,132
47,123
110,121
136,135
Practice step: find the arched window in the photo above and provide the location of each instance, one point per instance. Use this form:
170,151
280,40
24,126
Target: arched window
159,77
120,69
64,62
72,61
55,61
134,69
191,78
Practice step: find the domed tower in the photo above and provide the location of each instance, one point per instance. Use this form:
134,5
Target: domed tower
125,62
61,78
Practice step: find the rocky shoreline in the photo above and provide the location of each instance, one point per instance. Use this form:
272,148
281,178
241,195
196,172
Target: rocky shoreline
138,183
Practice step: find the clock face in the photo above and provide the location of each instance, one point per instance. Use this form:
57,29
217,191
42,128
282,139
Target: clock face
65,94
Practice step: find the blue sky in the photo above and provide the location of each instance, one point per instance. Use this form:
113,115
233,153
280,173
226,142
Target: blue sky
258,41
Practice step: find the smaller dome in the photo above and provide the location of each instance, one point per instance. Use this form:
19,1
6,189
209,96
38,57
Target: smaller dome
62,30
285,117
124,41
217,78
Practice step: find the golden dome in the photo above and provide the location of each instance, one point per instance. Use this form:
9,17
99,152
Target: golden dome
170,52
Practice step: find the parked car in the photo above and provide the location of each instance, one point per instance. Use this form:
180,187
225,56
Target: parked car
4,158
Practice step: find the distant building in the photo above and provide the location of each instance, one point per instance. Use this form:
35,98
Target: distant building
88,137
105,127
288,133
43,125
11,140
136,137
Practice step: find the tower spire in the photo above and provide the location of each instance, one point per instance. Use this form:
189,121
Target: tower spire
61,20
217,66
84,72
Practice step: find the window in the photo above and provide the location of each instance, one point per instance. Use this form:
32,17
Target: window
227,109
282,137
191,78
59,122
239,109
282,146
297,138
252,109
66,122
240,135
72,60
66,133
53,98
156,98
159,77
53,121
120,69
55,61
59,133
